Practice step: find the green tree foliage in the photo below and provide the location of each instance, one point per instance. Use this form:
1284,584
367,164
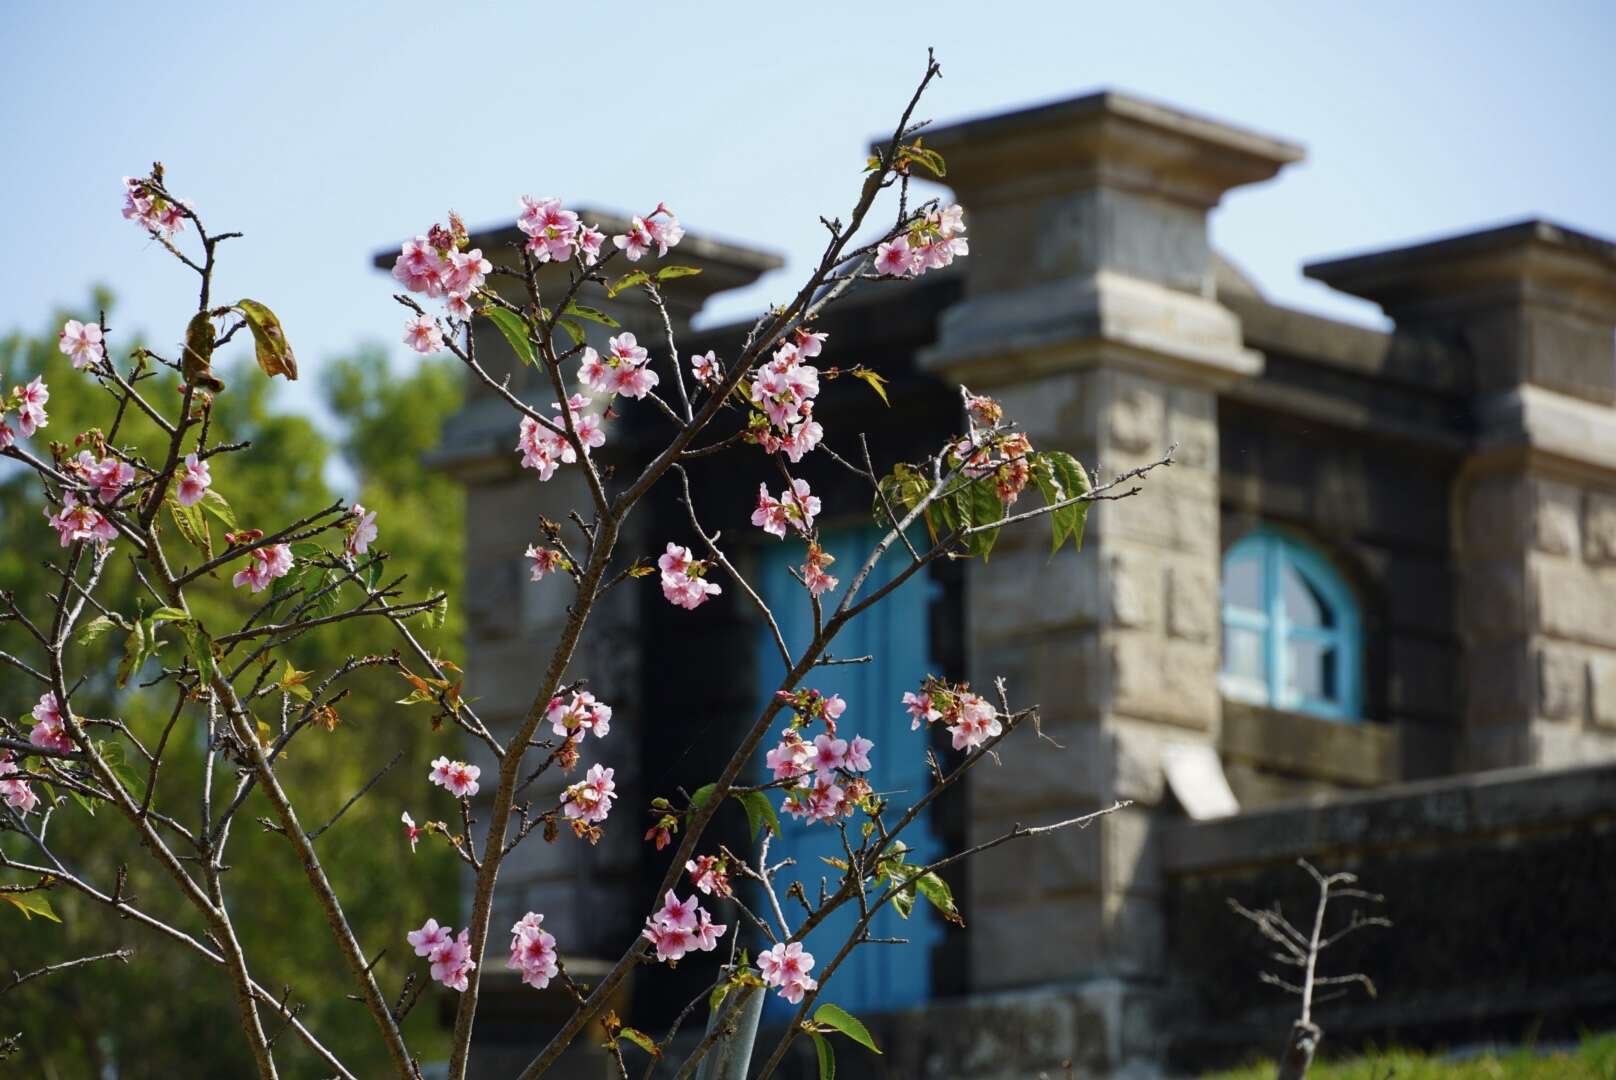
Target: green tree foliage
167,1012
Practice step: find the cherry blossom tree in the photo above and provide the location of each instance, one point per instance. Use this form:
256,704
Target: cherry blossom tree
227,683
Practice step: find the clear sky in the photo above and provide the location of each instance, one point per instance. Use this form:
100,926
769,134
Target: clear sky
328,130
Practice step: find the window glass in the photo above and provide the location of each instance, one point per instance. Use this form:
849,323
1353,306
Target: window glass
1243,653
1242,582
1310,668
1302,604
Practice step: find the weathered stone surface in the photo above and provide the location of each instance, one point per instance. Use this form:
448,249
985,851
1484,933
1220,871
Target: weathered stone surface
1192,600
1574,601
1023,592
1562,683
1556,513
1038,941
1133,586
1602,690
1599,529
1162,679
1130,840
1055,864
1136,415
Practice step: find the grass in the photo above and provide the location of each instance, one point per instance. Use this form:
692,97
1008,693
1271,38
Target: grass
1593,1059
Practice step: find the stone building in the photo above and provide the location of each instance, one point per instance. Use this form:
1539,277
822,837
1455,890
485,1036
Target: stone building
1381,563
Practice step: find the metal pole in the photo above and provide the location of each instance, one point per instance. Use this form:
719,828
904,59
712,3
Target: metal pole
732,1050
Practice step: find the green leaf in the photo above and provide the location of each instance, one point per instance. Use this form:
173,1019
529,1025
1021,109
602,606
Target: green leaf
304,550
201,646
594,315
903,901
702,794
168,614
273,352
640,1039
437,613
759,812
827,1056
112,753
192,526
135,648
216,505
877,383
903,488
94,630
84,801
668,273
839,1018
627,281
978,504
716,998
936,890
574,330
1069,480
513,328
31,904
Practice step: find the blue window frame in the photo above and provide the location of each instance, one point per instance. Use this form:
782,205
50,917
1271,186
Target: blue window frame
1290,629
874,977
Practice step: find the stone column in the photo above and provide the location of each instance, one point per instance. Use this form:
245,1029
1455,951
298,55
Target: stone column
1089,313
1534,306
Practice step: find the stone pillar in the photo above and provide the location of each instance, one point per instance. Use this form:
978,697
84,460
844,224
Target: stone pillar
589,894
1534,306
1089,313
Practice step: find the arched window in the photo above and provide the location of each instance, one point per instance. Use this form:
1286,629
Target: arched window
1290,629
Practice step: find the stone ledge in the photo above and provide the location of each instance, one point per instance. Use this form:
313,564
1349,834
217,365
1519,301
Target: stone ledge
1426,812
1361,754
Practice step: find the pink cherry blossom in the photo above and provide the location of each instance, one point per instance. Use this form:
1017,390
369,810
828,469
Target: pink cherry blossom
665,229
814,577
429,937
706,368
150,210
16,793
786,966
858,754
77,521
579,714
675,560
896,258
422,334
195,479
31,406
412,831
362,530
705,936
109,476
82,342
465,271
264,565
708,874
636,242
677,912
791,758
920,708
456,777
829,755
589,241
679,927
419,267
545,561
50,732
808,342
452,963
533,952
552,233
7,435
591,799
976,723
688,592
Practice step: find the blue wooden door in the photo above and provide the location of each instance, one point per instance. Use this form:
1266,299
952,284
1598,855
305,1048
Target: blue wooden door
894,631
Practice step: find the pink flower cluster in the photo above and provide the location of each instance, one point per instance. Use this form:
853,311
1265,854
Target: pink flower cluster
533,951
77,521
545,561
832,762
784,389
458,778
930,244
437,264
710,874
579,715
680,927
82,342
264,565
545,448
49,731
625,369
786,966
554,234
449,956
361,530
1004,456
590,800
153,212
814,576
195,479
29,401
659,229
796,508
109,476
970,719
17,794
683,578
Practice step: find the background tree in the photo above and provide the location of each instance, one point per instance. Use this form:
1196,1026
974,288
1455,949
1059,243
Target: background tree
164,1010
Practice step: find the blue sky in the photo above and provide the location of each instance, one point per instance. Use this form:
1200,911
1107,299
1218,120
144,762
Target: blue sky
330,130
